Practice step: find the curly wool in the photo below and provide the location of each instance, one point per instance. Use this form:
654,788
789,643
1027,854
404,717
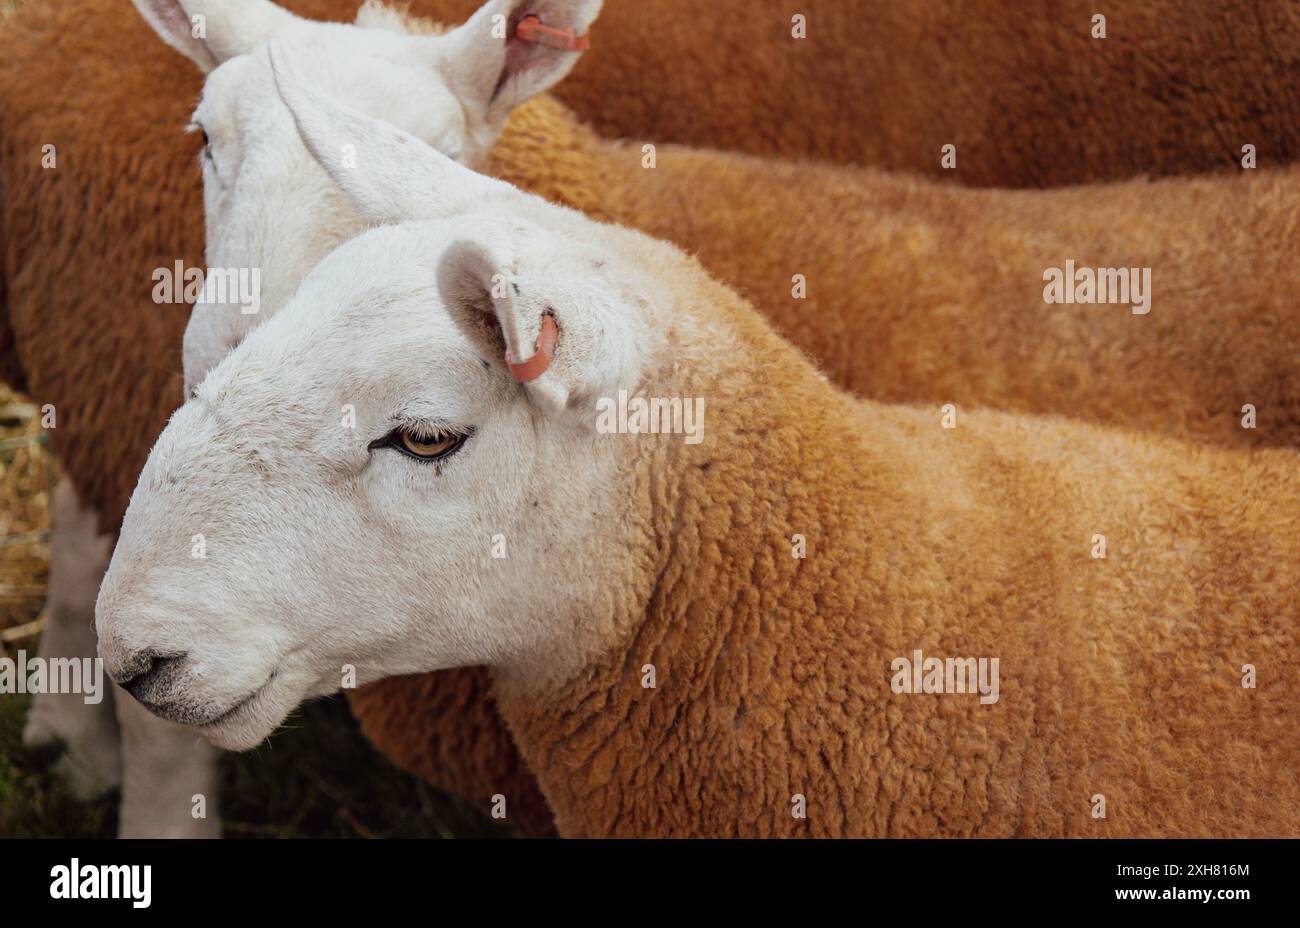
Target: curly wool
1029,99
1123,679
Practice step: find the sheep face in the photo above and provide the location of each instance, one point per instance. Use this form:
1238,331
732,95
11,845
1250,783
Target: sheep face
270,212
384,479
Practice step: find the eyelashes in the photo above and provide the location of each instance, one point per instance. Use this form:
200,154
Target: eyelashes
424,445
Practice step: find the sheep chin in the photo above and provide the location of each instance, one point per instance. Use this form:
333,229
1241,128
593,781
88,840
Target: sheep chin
249,723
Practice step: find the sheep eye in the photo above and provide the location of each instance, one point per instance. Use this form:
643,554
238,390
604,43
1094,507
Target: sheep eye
426,446
207,142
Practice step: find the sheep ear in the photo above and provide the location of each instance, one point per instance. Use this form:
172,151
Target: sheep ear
389,175
210,31
506,316
493,64
535,305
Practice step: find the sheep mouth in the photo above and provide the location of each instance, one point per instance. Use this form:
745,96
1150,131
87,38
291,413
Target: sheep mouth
228,715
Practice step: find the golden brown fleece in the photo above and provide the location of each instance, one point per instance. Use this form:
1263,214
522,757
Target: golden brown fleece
923,292
1119,677
79,244
1023,90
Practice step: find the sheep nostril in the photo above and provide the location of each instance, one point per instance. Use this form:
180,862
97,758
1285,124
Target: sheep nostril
150,668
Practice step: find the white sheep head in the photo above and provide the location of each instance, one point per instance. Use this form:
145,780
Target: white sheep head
357,466
268,207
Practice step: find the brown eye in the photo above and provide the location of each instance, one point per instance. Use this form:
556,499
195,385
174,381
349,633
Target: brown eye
427,446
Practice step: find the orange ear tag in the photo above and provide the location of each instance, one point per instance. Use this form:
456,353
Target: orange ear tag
536,366
530,29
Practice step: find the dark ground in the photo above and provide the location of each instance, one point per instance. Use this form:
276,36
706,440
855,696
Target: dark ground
318,777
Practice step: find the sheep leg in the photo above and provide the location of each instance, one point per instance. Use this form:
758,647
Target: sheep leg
160,766
169,777
84,735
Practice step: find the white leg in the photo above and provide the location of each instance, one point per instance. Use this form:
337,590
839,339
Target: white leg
87,734
160,766
169,773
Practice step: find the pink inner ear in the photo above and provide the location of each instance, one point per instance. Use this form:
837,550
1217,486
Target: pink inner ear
519,54
491,327
173,17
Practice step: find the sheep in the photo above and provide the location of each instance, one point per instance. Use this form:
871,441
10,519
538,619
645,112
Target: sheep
944,304
669,658
108,431
443,750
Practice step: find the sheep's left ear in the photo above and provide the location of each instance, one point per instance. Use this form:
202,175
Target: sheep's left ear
545,328
511,50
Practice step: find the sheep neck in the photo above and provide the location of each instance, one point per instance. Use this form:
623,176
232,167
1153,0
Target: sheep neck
724,612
